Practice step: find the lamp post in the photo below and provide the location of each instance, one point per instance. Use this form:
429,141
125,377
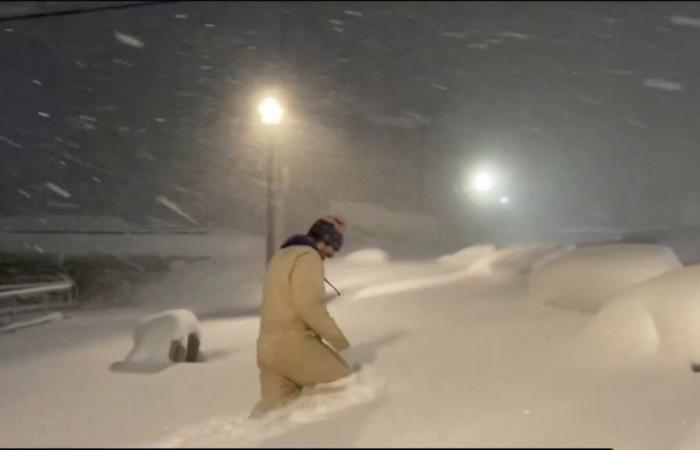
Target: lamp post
271,113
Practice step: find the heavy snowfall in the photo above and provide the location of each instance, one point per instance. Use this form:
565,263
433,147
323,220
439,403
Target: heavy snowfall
519,180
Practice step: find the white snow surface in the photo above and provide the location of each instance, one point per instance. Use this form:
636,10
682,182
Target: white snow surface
586,278
368,256
465,361
660,315
520,259
467,256
32,322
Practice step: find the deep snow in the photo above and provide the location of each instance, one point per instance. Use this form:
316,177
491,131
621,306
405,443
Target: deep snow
452,355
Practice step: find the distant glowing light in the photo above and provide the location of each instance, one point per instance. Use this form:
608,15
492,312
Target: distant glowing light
270,111
483,182
504,200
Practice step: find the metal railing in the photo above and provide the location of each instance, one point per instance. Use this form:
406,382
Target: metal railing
22,298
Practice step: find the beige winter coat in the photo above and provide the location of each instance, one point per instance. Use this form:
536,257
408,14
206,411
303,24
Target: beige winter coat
294,298
293,320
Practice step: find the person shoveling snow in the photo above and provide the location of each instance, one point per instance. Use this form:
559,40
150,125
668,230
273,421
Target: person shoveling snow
294,321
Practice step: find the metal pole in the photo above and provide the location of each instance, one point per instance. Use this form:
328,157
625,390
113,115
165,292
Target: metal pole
270,201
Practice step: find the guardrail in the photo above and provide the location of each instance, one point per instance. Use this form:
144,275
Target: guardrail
21,298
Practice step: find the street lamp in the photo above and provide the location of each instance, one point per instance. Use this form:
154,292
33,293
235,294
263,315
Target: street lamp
271,113
483,182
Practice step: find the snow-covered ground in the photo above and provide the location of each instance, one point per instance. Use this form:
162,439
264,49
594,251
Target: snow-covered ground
453,354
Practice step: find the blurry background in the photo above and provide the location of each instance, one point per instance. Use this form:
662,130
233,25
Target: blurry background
432,126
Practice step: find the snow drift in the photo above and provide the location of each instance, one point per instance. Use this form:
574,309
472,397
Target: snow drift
521,259
486,258
656,318
368,256
467,256
622,333
586,278
516,260
314,404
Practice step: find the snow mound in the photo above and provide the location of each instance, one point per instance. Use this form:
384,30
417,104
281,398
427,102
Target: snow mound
622,333
658,317
368,256
154,334
467,256
673,301
314,404
551,257
586,278
519,259
414,283
480,260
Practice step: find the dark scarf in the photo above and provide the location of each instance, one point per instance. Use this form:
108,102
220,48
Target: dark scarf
300,239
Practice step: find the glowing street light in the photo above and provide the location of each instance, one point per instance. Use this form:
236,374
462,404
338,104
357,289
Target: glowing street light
504,200
270,111
483,182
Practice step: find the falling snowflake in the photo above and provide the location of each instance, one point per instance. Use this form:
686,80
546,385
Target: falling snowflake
129,40
57,190
174,207
10,142
685,21
24,193
664,85
122,62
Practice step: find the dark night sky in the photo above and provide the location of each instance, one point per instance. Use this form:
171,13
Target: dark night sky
389,103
